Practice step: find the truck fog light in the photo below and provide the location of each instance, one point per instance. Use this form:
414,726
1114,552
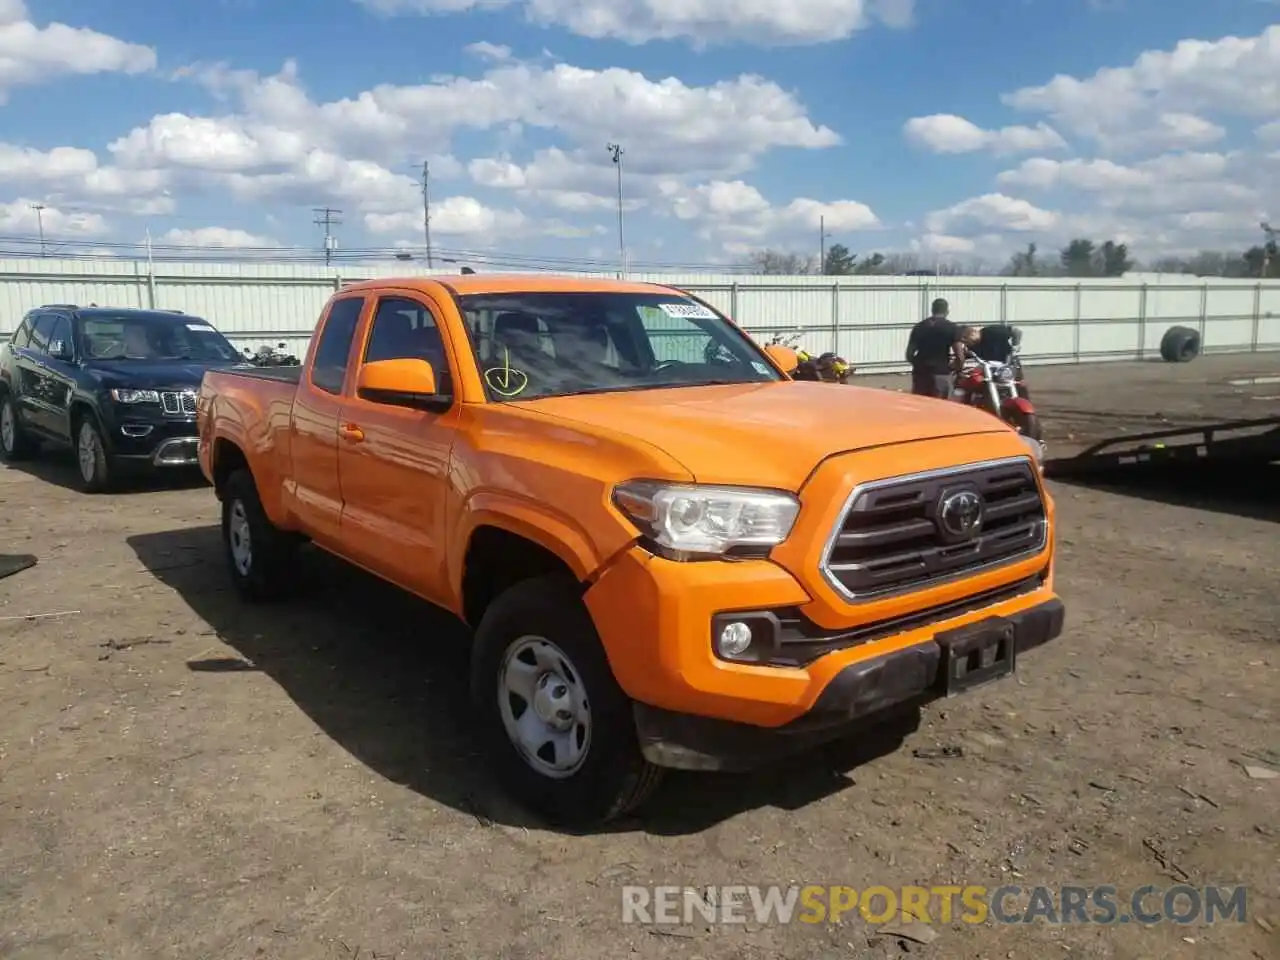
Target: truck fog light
734,639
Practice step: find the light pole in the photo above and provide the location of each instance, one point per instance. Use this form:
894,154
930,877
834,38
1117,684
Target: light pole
615,152
40,208
822,245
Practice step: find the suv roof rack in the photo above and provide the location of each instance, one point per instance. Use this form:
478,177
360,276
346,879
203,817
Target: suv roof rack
59,306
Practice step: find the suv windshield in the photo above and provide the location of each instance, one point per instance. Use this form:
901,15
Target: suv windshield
141,337
532,345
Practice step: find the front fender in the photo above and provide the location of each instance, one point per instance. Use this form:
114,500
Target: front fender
1019,404
540,523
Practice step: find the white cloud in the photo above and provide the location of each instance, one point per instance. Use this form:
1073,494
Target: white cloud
21,217
948,133
74,175
988,213
216,237
1269,132
703,22
1159,102
454,216
489,51
31,55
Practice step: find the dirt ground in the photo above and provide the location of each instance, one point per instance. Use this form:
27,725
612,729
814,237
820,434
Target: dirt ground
184,776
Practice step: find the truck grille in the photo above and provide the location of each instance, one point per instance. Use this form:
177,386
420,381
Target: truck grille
906,533
180,403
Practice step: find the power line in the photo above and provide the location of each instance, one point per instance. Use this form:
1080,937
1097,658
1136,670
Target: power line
327,218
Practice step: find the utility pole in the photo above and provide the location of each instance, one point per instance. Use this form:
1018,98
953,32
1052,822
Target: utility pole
426,212
40,208
615,152
327,217
822,245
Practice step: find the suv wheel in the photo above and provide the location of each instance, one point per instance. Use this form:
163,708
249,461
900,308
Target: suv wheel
559,728
92,461
15,444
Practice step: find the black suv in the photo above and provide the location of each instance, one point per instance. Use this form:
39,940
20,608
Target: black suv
117,384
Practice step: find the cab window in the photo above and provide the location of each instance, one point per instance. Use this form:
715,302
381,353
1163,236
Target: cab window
329,366
405,329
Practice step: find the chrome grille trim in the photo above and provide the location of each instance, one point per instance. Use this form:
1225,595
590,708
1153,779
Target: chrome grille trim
178,403
924,559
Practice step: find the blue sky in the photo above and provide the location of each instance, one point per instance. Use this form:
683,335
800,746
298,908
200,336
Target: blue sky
924,128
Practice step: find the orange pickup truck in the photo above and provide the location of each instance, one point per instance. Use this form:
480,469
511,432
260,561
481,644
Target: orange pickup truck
671,554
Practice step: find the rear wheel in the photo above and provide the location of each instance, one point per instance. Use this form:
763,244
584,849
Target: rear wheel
15,443
558,727
259,553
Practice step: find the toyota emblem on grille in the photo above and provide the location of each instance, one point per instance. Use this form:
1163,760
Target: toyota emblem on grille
960,514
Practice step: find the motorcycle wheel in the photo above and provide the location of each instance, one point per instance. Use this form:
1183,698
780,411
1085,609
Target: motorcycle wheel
1027,424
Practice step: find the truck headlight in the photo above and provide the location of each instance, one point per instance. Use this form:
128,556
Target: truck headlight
691,521
135,396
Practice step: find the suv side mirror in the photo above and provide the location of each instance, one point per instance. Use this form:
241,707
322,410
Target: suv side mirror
402,383
60,350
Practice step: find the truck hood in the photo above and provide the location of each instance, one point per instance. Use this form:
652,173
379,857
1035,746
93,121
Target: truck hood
767,434
152,375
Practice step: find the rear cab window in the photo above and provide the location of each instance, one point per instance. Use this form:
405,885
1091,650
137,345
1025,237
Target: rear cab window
333,350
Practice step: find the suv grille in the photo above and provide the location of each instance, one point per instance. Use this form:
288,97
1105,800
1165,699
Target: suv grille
179,403
906,533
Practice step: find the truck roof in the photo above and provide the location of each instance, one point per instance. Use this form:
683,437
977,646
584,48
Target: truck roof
467,283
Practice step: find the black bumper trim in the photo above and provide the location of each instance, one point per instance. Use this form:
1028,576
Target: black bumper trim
859,695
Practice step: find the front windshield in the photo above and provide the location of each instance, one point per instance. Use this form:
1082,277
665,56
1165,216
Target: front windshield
533,345
141,337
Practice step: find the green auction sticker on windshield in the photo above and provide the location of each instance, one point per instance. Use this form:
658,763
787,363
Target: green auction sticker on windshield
687,311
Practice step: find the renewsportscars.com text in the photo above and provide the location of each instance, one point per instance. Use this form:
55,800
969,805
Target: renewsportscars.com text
973,903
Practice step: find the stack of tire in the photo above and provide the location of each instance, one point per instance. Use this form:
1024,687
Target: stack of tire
1180,345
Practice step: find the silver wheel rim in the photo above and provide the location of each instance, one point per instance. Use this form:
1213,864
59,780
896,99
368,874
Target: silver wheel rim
6,425
87,451
544,707
240,541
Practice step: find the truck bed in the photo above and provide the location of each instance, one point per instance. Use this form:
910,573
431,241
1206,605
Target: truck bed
292,374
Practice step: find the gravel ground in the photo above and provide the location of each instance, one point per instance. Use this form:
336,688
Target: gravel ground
183,776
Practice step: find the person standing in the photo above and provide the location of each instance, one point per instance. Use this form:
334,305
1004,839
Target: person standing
934,351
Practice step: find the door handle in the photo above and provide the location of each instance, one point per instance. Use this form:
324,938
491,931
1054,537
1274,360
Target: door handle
349,431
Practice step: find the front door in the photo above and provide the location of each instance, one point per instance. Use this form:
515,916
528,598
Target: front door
314,486
59,378
394,461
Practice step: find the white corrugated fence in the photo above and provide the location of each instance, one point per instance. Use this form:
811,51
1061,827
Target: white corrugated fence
865,319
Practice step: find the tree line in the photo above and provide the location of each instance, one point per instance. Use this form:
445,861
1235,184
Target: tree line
1081,257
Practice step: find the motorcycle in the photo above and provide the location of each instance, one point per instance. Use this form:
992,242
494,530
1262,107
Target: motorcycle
1000,389
828,367
268,356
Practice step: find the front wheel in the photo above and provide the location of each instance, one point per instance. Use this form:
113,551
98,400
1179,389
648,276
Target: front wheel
1027,424
94,463
558,727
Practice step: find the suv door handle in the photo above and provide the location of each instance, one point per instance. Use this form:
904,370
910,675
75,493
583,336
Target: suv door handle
350,432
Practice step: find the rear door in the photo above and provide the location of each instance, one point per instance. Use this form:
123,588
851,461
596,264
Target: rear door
317,491
34,400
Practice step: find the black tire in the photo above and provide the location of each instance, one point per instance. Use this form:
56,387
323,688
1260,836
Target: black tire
94,466
268,573
1027,424
613,777
19,445
1180,345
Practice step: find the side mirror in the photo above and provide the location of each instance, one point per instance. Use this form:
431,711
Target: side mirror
402,383
60,350
786,358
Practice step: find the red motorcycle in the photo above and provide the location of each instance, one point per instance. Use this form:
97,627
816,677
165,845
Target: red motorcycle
1000,389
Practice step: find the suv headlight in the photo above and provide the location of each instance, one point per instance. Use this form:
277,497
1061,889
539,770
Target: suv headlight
135,396
696,521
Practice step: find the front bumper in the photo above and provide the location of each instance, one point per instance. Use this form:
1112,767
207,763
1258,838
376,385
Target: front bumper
863,691
154,441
